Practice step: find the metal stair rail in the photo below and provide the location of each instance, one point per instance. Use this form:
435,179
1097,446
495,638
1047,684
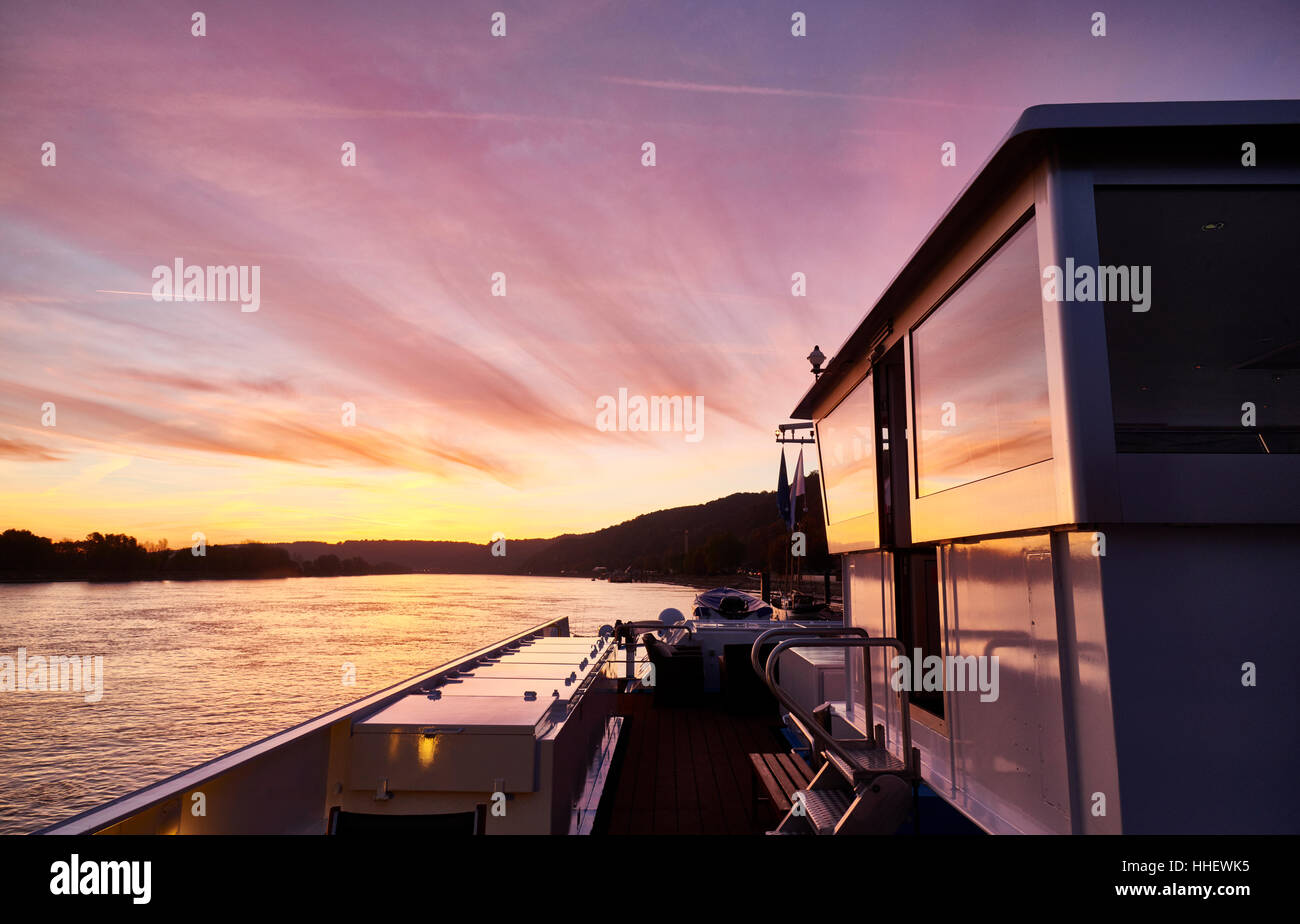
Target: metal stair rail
755,650
755,658
791,630
862,760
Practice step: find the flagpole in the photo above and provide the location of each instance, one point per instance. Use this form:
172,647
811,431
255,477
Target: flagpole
797,493
798,569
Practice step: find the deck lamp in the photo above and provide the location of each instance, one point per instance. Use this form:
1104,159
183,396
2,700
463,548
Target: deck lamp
816,358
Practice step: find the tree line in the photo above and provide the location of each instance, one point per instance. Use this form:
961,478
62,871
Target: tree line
24,556
740,532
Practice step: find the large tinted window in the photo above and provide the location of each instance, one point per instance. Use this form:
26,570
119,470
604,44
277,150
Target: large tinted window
1213,364
979,372
846,445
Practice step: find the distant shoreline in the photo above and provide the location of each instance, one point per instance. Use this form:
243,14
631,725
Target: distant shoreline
701,582
723,542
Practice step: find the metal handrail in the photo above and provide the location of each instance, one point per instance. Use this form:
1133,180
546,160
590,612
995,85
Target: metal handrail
655,624
629,646
824,737
754,650
835,631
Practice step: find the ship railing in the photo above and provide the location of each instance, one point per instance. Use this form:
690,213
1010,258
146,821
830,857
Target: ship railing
626,636
849,753
757,661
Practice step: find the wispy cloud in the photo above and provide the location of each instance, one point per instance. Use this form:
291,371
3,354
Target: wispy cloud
26,451
476,156
751,90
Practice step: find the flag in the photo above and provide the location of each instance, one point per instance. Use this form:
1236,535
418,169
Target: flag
783,492
797,492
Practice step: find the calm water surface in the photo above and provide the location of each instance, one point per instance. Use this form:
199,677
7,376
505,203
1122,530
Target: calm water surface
193,670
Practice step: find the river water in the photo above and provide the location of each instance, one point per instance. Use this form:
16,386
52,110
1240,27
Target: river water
192,670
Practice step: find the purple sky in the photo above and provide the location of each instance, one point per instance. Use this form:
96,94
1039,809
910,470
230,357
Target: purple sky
522,155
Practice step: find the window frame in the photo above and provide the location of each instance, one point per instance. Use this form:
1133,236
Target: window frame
914,447
1028,497
869,381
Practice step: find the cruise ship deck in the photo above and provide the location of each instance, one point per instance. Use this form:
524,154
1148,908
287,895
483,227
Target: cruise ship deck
686,769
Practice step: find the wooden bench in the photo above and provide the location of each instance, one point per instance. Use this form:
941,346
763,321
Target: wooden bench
780,776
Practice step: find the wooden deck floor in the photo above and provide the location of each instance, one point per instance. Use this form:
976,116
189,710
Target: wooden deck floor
685,769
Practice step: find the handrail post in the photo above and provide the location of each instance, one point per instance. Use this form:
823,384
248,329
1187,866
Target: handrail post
822,631
909,760
756,647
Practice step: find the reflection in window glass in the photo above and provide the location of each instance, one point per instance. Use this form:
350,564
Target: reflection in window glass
979,368
847,452
1213,365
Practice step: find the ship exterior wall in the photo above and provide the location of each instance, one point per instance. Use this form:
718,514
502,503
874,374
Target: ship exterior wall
868,604
1188,611
1012,764
1096,806
1009,757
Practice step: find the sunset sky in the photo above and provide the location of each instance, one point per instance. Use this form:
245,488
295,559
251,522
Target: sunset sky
476,155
